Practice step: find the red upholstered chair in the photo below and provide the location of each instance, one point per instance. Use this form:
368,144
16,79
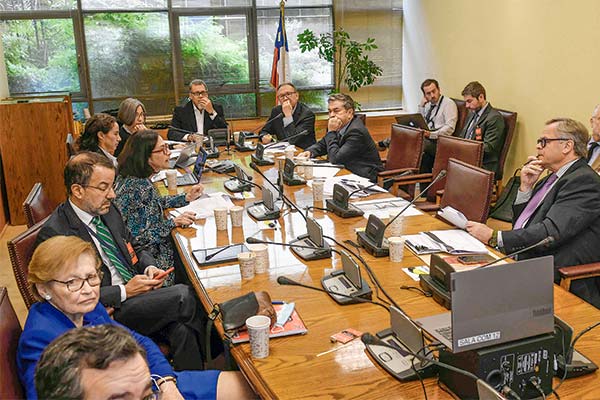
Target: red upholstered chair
20,250
462,116
10,331
37,205
405,152
575,272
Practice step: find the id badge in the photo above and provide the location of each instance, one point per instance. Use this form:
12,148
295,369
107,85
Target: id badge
132,254
478,135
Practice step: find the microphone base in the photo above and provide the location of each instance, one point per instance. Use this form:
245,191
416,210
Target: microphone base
371,247
223,167
350,212
338,282
294,181
213,154
234,186
438,292
317,253
260,213
261,161
244,149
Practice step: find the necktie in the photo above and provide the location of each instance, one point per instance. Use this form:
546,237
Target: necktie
472,125
428,116
110,248
591,150
534,202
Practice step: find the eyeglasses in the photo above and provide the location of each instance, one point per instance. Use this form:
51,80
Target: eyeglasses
285,95
203,93
544,141
104,189
75,284
164,149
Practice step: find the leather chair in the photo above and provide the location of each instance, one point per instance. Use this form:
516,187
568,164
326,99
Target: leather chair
462,116
37,205
404,154
363,118
469,151
468,189
510,123
575,272
10,331
70,142
20,250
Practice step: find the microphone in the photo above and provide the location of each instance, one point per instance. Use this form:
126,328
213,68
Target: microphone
171,127
284,280
544,242
372,237
339,203
210,256
268,121
257,157
318,251
246,181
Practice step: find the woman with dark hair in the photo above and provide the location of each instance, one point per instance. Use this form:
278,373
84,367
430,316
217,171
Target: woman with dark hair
101,135
142,206
132,116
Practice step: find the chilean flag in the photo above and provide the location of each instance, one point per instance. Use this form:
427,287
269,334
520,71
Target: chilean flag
280,71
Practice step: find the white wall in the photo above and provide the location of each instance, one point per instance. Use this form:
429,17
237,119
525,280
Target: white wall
537,57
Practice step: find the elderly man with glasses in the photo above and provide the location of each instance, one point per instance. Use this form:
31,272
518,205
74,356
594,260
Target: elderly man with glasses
564,204
289,118
198,115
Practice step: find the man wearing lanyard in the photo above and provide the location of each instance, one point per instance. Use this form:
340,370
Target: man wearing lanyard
484,123
440,113
593,155
564,204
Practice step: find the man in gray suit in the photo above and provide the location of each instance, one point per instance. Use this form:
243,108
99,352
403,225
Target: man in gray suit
484,123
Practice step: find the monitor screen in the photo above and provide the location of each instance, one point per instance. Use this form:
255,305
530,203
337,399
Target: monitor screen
315,232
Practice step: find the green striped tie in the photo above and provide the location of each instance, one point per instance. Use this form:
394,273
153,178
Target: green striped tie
110,249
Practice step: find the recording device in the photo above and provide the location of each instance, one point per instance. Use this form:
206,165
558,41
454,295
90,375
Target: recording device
484,391
218,255
437,282
290,178
223,167
372,239
258,156
569,360
241,145
347,281
241,183
219,136
265,209
318,248
404,338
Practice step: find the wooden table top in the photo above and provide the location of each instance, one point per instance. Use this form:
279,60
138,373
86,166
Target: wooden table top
293,370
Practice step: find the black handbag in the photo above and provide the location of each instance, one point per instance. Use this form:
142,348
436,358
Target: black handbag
503,210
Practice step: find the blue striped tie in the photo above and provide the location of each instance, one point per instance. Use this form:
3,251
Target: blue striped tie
110,249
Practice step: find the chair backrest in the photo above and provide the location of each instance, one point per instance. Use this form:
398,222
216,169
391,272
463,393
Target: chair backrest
10,331
20,250
406,148
468,190
71,151
469,151
510,123
462,116
363,118
37,205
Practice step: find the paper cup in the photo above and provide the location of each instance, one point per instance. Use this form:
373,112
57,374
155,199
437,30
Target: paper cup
280,162
236,136
396,248
318,186
221,219
396,227
171,180
261,263
237,215
259,328
308,170
300,164
289,152
247,261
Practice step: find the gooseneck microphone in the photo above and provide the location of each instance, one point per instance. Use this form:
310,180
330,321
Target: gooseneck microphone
295,135
268,121
253,240
246,180
544,242
171,127
284,280
210,256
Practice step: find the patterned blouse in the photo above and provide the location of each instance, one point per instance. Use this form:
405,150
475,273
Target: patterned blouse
142,208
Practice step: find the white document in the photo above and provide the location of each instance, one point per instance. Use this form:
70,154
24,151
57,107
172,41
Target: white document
278,147
453,216
383,207
350,182
325,172
452,241
204,206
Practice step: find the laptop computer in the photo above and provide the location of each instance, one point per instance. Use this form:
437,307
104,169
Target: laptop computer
185,157
413,120
196,174
496,305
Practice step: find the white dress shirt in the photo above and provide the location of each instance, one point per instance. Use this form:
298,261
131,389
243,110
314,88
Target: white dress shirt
443,117
596,152
199,114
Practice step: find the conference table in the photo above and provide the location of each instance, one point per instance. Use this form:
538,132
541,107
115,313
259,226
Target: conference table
304,366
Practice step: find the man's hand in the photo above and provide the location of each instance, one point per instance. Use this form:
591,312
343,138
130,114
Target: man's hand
530,173
334,124
207,105
140,284
169,391
186,219
286,108
137,128
481,232
304,154
194,192
423,101
426,133
266,139
152,271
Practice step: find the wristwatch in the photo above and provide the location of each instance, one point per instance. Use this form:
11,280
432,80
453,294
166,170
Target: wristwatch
493,242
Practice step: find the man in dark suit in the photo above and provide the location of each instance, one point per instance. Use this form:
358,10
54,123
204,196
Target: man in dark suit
347,141
295,118
198,115
484,123
129,283
565,205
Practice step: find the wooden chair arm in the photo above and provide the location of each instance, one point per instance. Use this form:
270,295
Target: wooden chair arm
578,271
428,207
438,196
392,172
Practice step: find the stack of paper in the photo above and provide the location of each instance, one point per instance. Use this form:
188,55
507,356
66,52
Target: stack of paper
452,241
382,208
204,206
453,216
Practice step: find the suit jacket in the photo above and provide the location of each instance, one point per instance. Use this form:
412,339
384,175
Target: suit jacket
493,134
356,150
45,323
570,213
304,119
64,221
184,118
